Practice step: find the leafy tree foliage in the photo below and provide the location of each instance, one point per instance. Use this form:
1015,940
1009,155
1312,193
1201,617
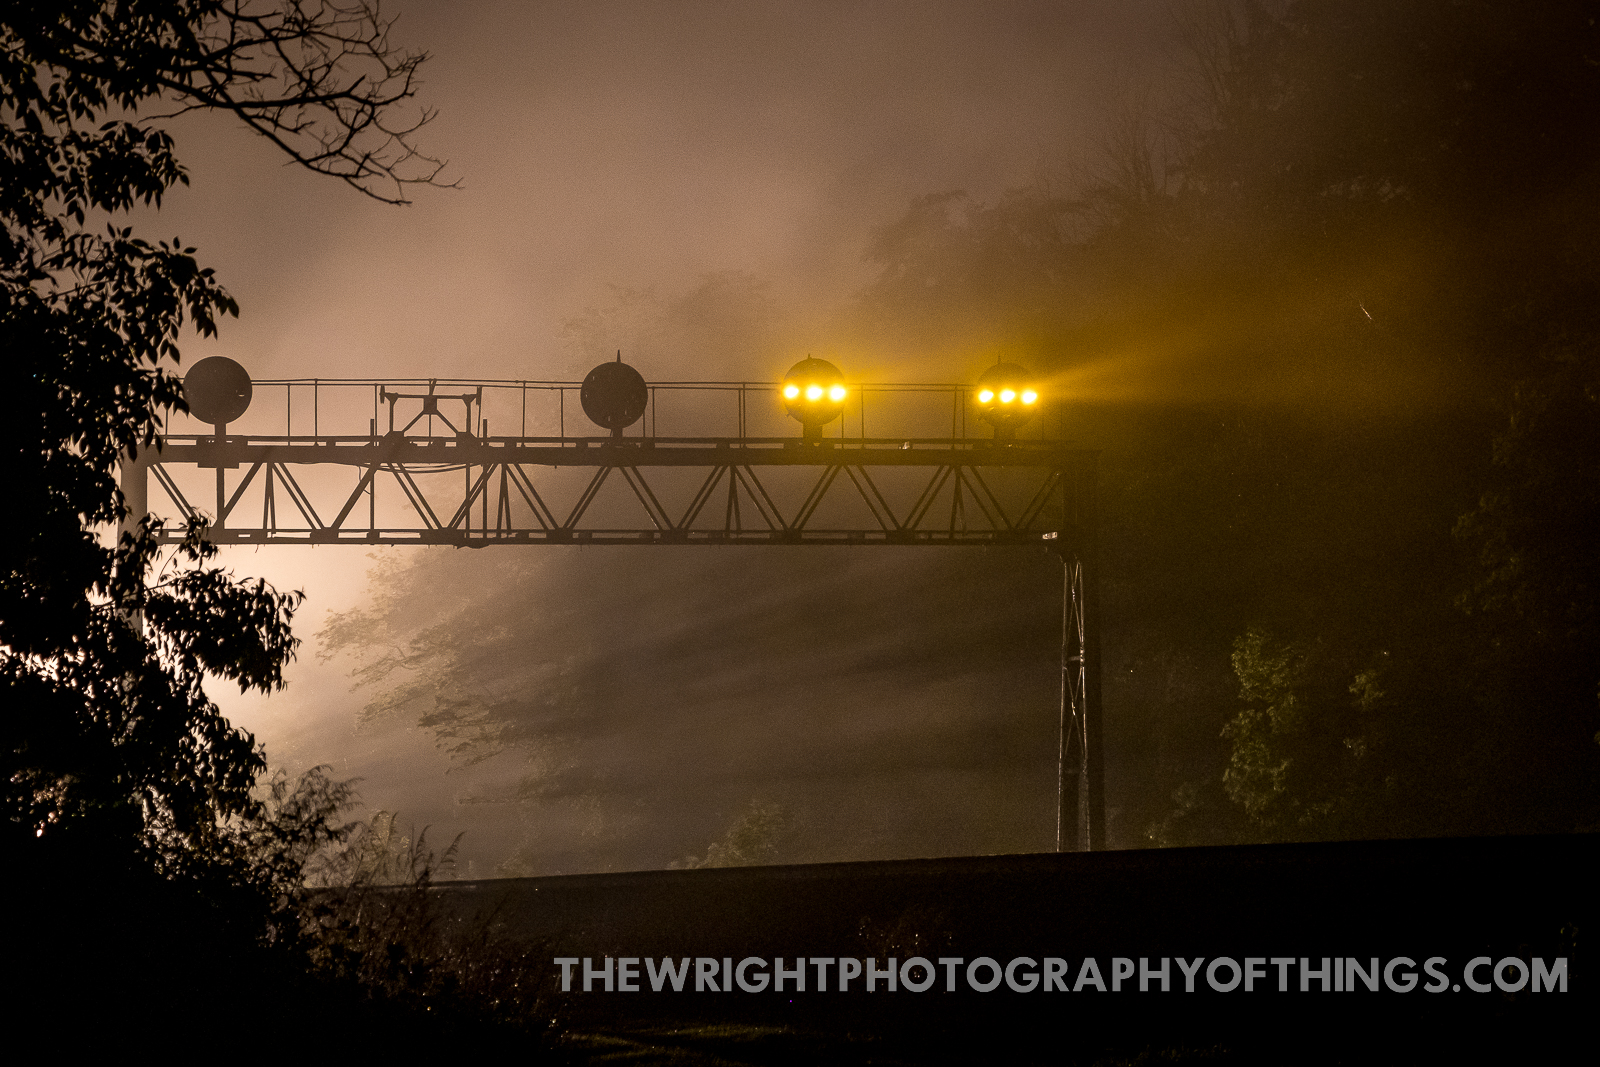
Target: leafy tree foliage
1296,304
117,766
1455,131
751,840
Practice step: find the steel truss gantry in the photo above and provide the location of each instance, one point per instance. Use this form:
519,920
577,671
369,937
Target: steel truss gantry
476,490
500,497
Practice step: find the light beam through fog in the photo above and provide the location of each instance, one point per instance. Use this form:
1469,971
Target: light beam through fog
721,191
695,186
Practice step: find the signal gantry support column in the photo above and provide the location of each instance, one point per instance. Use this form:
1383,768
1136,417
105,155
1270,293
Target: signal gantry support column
1080,778
133,477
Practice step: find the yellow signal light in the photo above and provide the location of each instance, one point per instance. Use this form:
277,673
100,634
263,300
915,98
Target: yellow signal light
814,394
1007,398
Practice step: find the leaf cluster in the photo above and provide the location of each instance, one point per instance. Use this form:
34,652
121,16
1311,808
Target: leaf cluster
111,747
1294,297
751,839
375,928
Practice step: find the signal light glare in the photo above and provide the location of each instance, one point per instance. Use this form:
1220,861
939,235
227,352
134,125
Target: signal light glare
1007,397
814,394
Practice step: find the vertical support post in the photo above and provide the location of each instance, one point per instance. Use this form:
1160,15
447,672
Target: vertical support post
222,489
1069,746
1081,809
1093,710
134,475
372,484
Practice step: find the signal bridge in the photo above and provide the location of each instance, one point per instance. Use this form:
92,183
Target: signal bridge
427,468
407,462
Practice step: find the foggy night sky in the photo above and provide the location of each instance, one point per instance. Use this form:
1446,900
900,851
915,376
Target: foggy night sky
645,146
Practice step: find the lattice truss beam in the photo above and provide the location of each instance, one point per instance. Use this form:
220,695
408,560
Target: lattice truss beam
468,491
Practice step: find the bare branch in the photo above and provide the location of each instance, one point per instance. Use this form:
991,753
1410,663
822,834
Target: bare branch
318,78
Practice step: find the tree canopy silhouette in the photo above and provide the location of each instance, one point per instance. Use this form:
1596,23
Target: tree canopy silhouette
1297,302
117,765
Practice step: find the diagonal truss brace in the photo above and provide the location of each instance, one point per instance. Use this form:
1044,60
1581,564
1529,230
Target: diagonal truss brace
510,478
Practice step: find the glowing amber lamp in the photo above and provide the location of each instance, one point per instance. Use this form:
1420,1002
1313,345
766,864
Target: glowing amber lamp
1007,397
813,394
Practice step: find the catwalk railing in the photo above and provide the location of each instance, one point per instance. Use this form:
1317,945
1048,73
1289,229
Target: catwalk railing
427,470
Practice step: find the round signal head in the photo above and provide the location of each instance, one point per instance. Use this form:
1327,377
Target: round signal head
614,395
1007,397
218,390
813,394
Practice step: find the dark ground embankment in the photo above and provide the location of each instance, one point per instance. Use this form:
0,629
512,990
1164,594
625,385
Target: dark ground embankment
1530,899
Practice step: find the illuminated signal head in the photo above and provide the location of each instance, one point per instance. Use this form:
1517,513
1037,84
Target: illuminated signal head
813,394
1007,397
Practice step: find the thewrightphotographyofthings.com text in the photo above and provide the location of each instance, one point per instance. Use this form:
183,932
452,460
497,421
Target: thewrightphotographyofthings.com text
1054,974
